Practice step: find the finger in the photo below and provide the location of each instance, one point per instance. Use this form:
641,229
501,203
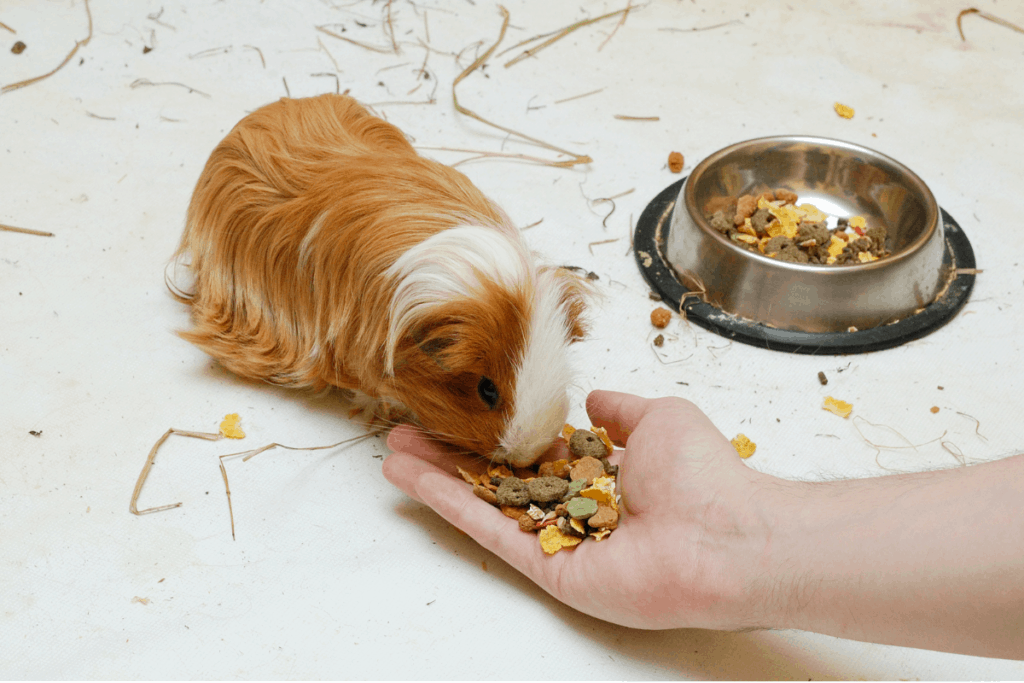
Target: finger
402,470
617,412
426,447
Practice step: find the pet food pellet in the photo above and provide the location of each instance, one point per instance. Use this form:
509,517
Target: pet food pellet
485,494
18,47
577,526
527,523
605,518
585,443
935,409
513,511
675,162
786,196
744,446
552,539
547,489
659,340
661,317
581,508
587,469
561,510
600,535
535,513
745,208
574,489
822,378
558,468
513,491
840,408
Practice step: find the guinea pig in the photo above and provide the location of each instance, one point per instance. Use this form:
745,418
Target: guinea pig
326,252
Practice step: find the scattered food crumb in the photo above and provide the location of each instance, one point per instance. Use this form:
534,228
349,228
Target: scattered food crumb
18,48
843,110
840,408
654,296
659,340
675,162
744,446
935,409
646,258
36,433
229,427
142,601
941,388
660,317
822,378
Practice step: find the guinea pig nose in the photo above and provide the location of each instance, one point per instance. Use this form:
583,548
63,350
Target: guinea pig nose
500,454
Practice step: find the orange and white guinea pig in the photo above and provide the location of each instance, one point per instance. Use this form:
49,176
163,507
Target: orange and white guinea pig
324,251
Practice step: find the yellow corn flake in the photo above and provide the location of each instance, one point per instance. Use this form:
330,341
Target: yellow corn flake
577,525
866,257
602,490
552,539
843,110
787,221
742,237
812,213
747,228
229,427
840,408
469,477
744,446
835,248
763,243
602,433
858,222
567,431
500,471
600,535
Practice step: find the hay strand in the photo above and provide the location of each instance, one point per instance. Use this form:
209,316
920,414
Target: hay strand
78,44
576,158
365,46
26,231
983,15
133,505
559,34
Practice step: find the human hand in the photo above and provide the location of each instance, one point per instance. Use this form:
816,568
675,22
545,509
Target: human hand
683,551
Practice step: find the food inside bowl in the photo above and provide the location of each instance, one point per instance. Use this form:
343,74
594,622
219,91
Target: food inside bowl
773,224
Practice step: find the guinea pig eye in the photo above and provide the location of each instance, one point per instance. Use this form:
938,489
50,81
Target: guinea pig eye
488,392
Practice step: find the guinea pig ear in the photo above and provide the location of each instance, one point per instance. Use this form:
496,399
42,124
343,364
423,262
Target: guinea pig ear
435,347
575,293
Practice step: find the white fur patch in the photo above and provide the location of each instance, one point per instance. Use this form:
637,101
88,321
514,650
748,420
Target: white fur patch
541,402
451,264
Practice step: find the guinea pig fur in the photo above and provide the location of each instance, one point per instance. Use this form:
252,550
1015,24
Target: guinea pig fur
325,251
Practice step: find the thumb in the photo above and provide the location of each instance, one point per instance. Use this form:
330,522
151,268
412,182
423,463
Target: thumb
617,412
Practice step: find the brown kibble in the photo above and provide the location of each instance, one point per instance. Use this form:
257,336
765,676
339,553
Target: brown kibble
786,196
822,378
585,443
587,469
745,208
561,510
935,409
660,317
675,162
485,495
606,518
18,48
768,195
513,511
513,491
547,489
526,523
659,340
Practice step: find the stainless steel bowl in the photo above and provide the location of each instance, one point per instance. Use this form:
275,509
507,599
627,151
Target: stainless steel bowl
841,179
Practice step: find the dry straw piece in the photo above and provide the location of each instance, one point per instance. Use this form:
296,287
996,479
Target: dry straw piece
983,15
559,34
27,231
74,50
576,158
